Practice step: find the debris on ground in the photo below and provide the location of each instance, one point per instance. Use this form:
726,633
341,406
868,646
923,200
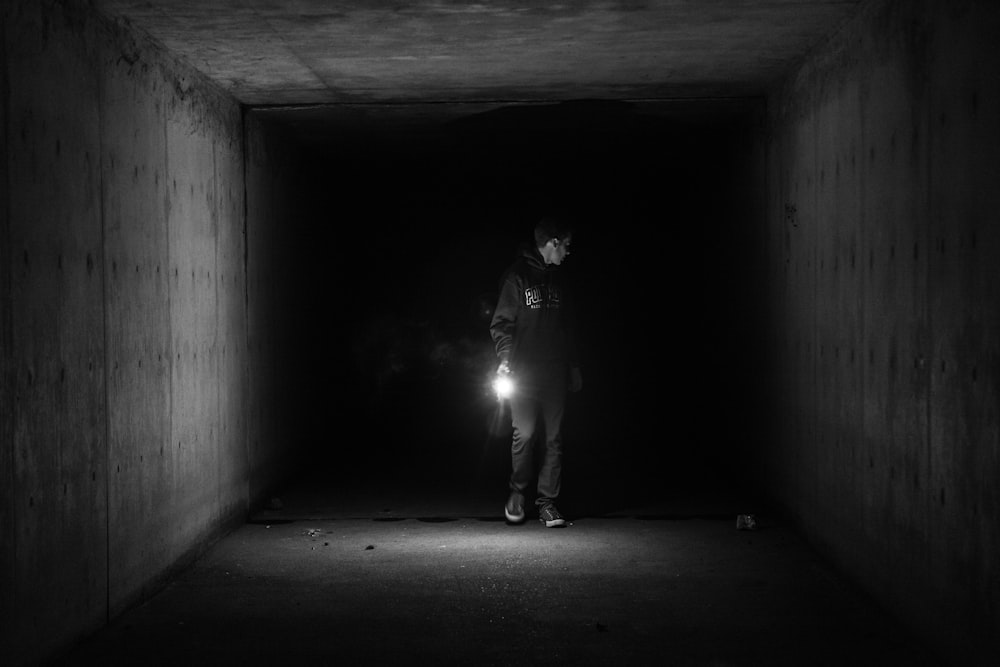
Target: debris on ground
369,547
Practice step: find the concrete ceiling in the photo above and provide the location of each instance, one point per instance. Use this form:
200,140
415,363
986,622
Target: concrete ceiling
290,52
427,61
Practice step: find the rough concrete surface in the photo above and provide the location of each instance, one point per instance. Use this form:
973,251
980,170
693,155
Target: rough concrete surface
302,52
441,578
124,309
57,350
883,260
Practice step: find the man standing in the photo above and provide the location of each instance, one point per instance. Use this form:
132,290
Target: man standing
535,344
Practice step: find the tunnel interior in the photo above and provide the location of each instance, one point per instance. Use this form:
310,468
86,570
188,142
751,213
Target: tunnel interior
228,262
395,261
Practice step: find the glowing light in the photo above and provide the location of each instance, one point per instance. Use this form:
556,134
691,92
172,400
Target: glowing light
503,385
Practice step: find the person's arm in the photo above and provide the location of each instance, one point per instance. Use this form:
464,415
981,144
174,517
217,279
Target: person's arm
505,320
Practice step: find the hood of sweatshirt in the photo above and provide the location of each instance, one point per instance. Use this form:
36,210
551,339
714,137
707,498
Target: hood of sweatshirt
530,254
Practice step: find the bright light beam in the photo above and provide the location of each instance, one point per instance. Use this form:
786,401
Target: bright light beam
503,385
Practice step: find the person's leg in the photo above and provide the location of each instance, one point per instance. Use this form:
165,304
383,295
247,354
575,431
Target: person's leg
523,414
552,405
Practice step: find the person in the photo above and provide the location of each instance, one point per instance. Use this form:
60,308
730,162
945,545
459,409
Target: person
535,345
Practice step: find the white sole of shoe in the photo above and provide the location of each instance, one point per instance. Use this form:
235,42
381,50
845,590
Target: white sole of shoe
513,518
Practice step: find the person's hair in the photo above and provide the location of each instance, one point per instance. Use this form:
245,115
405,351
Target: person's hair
552,227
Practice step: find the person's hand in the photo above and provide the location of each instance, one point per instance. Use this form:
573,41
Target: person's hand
575,379
503,368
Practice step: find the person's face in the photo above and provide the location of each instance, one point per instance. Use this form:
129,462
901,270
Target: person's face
560,250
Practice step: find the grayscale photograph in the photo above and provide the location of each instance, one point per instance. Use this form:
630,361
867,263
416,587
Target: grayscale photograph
500,333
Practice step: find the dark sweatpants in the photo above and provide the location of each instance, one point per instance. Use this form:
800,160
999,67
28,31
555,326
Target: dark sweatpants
539,401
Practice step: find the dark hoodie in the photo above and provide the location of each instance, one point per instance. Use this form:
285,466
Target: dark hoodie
531,323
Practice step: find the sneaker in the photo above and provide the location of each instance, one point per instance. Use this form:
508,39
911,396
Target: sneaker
514,509
551,517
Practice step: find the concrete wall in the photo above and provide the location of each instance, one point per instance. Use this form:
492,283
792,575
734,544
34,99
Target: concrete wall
7,561
884,254
282,243
125,366
55,359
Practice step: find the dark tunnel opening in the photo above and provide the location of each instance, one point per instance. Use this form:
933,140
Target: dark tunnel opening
393,270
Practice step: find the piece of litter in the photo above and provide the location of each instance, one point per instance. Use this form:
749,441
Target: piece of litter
369,547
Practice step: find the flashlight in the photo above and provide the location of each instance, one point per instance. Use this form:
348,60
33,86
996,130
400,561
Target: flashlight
503,385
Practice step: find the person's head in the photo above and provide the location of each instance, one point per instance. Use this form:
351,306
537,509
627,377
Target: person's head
553,237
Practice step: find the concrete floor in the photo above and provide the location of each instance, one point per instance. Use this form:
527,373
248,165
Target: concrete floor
380,573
